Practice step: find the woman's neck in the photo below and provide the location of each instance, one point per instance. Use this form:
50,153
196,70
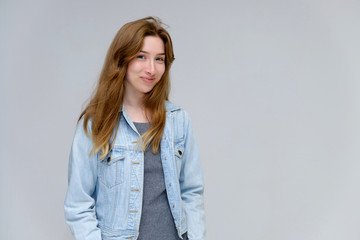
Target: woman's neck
135,108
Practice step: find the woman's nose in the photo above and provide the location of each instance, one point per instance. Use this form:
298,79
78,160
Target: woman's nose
150,67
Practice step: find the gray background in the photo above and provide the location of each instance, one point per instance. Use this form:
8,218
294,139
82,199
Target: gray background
272,88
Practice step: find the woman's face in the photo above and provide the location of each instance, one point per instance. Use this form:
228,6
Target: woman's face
147,68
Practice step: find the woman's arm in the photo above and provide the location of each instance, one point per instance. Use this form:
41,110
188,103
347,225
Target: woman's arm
192,185
82,176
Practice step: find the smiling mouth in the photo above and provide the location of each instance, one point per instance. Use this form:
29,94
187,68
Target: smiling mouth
147,79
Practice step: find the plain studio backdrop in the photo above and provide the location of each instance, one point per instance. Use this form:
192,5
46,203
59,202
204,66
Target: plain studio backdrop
272,88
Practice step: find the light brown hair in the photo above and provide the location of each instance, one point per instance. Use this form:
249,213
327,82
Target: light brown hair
105,105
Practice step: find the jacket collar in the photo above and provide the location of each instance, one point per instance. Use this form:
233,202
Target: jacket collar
170,107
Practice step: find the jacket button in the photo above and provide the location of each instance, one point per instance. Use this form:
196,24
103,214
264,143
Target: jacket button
165,158
170,184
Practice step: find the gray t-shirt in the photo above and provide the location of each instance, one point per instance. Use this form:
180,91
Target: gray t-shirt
156,221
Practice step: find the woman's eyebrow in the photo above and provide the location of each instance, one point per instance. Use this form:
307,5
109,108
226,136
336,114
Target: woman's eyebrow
149,53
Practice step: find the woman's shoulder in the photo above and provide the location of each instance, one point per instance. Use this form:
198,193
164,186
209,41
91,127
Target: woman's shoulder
171,107
178,112
80,131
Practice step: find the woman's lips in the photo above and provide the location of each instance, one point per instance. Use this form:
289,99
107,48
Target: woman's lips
147,79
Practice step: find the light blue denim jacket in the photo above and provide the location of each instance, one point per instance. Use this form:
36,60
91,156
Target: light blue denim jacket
104,197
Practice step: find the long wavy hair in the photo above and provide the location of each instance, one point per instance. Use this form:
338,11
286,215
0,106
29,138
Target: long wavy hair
105,106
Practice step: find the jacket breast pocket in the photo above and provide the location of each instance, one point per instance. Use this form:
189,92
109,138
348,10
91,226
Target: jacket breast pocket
111,170
179,148
178,152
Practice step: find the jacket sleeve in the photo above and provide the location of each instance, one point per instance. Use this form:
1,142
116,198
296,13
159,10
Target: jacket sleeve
192,185
82,176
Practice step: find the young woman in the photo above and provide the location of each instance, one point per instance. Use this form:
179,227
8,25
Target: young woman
134,169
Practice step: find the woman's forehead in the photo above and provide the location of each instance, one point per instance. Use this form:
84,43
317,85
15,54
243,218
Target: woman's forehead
153,45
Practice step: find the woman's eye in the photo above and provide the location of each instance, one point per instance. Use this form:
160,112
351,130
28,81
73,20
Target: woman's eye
140,56
160,59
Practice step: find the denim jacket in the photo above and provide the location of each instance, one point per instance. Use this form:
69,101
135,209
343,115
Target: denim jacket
104,197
